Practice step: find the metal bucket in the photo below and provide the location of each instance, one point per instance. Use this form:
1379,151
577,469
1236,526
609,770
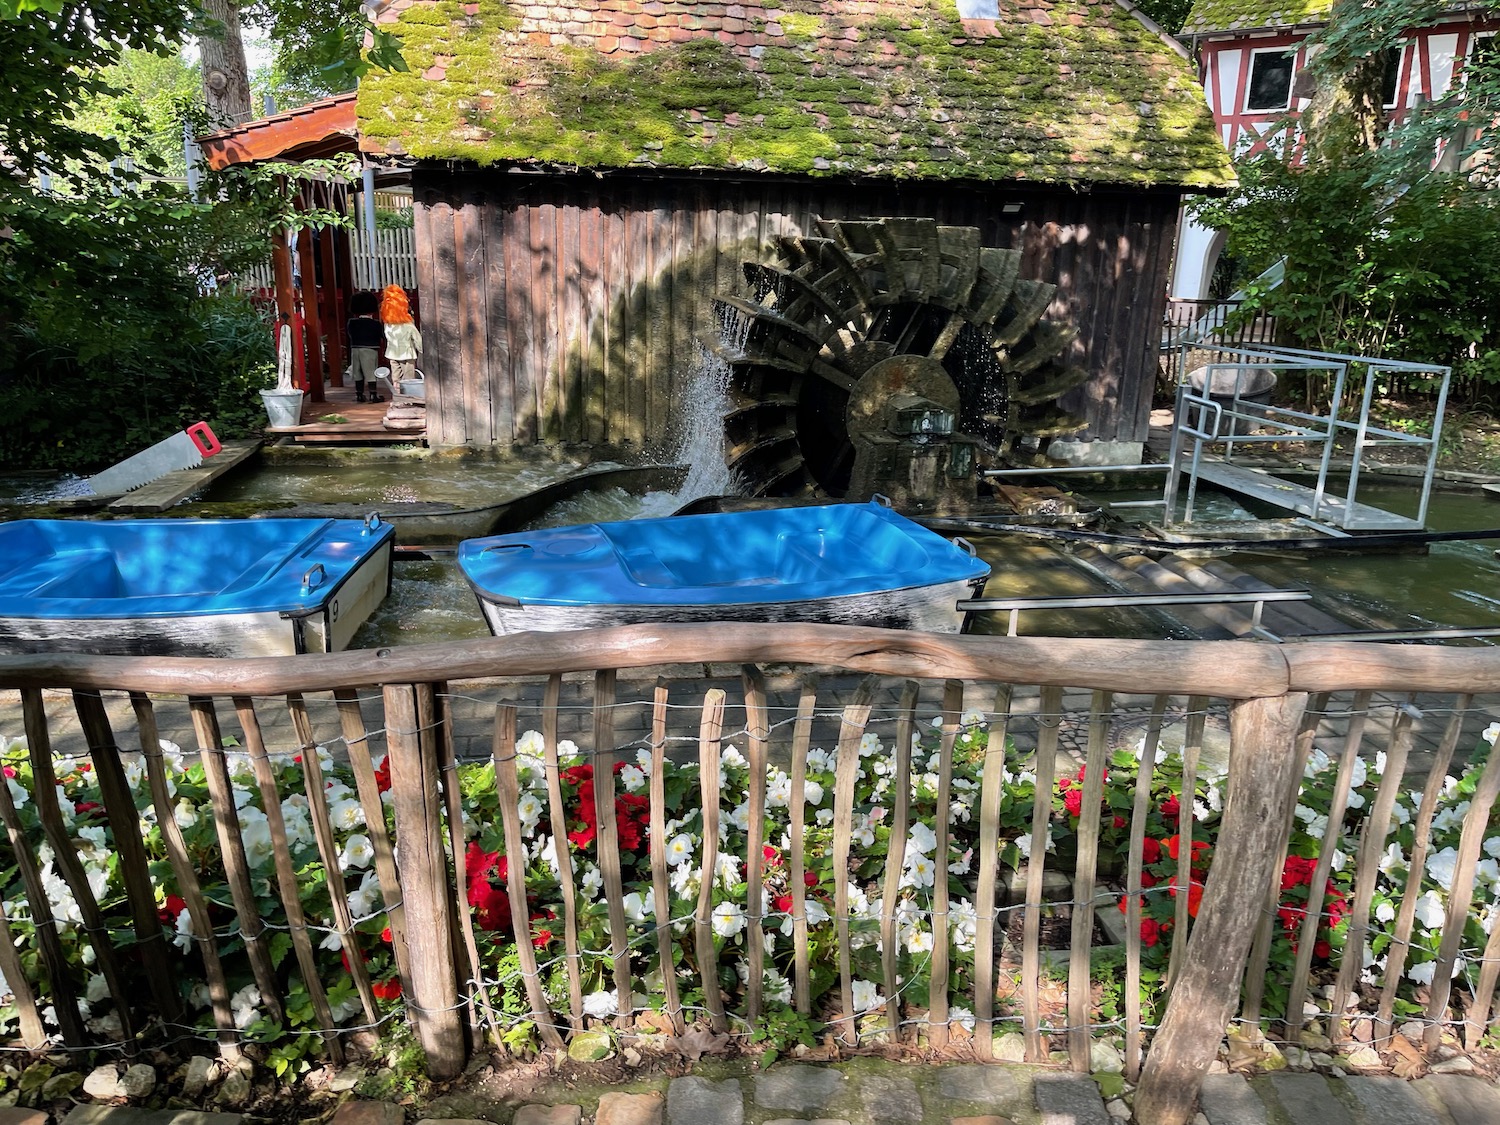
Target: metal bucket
283,408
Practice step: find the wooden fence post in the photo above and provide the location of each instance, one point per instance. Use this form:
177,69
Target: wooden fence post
1262,757
424,880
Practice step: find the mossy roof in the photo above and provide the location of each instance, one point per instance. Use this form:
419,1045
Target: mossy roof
1207,16
1055,91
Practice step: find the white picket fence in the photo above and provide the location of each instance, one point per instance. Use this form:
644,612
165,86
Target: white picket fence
390,258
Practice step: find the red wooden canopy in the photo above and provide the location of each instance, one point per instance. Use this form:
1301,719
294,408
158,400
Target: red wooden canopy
318,129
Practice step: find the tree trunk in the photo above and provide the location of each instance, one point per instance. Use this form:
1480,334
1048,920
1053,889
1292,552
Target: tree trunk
226,78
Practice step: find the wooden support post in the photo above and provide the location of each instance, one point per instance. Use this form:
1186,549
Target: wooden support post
331,312
1261,762
424,878
312,324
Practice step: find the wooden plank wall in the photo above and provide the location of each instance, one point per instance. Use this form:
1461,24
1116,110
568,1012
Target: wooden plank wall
568,309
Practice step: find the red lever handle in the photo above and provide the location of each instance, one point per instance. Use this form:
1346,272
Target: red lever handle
204,439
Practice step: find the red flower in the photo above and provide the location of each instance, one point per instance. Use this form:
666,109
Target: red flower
1150,932
383,774
583,837
771,855
1323,949
1195,894
10,771
83,808
478,863
1174,845
385,936
1150,850
387,989
576,775
1148,879
1073,802
1064,784
174,907
1119,822
1171,809
782,904
1297,872
541,938
492,904
810,878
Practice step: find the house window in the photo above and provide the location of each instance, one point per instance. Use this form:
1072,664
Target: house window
1270,81
1484,49
1391,81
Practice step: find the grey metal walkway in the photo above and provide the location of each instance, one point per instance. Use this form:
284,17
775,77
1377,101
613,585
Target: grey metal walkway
1257,484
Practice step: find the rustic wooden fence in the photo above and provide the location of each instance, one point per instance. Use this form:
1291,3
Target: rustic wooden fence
435,703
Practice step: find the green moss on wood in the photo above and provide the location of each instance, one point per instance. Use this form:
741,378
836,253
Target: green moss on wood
1092,97
1229,15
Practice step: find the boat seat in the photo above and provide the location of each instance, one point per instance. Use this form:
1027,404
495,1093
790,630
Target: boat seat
70,574
795,563
645,569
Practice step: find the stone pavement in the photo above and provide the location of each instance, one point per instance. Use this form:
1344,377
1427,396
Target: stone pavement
859,1091
868,1091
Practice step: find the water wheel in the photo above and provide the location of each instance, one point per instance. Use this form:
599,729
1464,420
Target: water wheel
865,309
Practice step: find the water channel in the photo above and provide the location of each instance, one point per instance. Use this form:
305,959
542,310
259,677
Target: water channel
1455,584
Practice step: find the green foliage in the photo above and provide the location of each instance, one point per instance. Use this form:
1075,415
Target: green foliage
1389,250
154,92
112,346
320,45
781,1029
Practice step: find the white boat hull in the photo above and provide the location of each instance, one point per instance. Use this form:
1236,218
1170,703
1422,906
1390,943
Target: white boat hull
328,629
929,609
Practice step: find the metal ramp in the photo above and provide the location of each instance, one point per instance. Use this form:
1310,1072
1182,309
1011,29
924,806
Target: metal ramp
1217,411
1257,484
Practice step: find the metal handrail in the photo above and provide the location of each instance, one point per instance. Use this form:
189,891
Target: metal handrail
1014,606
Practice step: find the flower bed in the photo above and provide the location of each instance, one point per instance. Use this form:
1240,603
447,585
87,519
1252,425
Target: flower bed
486,867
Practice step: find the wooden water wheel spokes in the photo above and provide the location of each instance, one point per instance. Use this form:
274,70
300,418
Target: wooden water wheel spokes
859,294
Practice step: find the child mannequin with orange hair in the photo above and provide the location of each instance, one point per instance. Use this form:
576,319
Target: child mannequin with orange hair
403,343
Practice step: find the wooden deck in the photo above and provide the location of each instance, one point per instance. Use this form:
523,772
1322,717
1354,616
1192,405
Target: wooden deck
362,425
1261,486
176,486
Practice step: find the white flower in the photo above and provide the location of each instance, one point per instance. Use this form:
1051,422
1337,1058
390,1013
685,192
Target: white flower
922,839
819,761
346,815
869,744
186,814
200,997
364,900
731,758
1449,818
1385,912
739,818
918,940
246,1004
961,923
728,919
961,1016
866,997
813,792
1441,865
18,794
685,881
1424,972
591,880
727,870
1393,860
960,866
358,852
643,760
184,938
1317,762
1492,845
633,778
529,808
680,849
601,1004
918,871
825,817
1430,910
777,989
97,990
547,853
639,909
93,836
331,941
1490,732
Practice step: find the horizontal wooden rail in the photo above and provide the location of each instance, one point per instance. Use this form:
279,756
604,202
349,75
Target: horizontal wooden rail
1227,669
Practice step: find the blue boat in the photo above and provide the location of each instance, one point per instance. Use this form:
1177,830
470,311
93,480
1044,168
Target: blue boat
851,564
190,587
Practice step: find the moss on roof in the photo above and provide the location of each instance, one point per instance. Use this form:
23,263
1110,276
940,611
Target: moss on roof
1232,15
1071,91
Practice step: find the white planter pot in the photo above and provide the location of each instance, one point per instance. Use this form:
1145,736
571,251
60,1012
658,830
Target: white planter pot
283,408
